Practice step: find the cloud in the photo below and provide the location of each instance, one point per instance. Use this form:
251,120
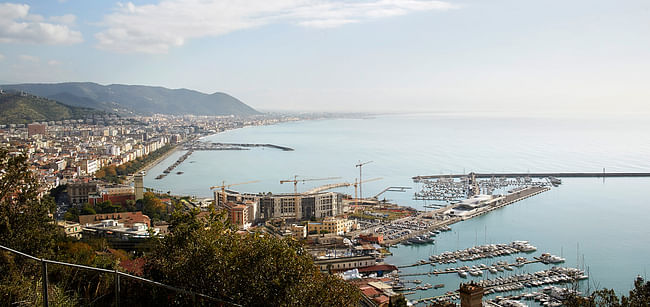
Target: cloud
155,28
2,57
53,63
29,58
67,19
18,26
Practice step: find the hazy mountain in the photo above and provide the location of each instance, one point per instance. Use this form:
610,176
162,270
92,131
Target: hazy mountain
17,108
138,99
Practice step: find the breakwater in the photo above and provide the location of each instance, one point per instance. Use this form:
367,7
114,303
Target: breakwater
539,175
231,146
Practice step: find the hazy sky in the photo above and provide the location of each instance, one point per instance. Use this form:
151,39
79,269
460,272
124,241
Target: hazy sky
370,55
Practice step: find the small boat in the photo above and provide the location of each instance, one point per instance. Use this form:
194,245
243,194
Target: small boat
462,274
179,173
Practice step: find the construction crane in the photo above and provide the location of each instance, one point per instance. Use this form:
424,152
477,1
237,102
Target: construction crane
295,181
328,187
223,187
355,184
344,184
391,189
360,165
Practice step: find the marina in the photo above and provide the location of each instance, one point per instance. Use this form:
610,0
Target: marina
541,175
578,203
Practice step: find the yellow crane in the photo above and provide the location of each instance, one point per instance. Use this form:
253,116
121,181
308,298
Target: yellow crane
295,181
355,184
359,165
223,187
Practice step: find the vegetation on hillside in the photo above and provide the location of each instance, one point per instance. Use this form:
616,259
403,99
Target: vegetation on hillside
138,99
24,109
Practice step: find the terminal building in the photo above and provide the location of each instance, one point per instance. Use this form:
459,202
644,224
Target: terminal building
471,206
286,206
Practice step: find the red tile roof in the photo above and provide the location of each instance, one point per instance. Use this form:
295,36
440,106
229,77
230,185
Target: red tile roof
379,267
382,299
370,292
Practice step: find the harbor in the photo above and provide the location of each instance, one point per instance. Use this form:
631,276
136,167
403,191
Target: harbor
541,175
421,229
580,208
501,276
547,296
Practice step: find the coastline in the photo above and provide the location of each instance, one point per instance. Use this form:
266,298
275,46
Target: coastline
178,146
153,163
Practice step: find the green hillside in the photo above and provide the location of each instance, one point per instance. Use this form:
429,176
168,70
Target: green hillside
17,108
138,99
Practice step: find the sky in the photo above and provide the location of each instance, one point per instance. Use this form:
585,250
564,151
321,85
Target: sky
564,57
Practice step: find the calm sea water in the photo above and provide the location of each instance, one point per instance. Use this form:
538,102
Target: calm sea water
606,223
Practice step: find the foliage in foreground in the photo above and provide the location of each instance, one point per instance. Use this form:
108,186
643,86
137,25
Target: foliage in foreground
251,269
206,256
638,297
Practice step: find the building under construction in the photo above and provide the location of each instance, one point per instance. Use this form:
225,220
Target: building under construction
292,207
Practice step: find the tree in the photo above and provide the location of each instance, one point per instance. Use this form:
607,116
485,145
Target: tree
24,226
251,269
639,297
153,207
24,221
111,171
72,214
88,210
130,205
400,301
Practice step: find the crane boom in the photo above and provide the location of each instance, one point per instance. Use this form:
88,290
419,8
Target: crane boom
328,187
359,165
223,187
295,181
391,189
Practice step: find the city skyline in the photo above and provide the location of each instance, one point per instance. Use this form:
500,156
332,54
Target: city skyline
381,56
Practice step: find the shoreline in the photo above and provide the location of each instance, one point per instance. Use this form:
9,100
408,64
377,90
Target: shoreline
153,163
178,147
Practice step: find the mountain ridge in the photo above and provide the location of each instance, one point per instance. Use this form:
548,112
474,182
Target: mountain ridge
128,99
20,108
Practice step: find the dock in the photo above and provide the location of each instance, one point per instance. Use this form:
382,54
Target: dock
539,175
511,199
506,200
453,270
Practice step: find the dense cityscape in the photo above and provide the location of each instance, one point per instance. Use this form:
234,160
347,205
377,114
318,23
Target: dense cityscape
94,170
371,153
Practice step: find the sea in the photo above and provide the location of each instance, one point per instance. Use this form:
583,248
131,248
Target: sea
599,225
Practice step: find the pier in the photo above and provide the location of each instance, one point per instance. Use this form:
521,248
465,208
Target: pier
518,282
231,146
538,175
